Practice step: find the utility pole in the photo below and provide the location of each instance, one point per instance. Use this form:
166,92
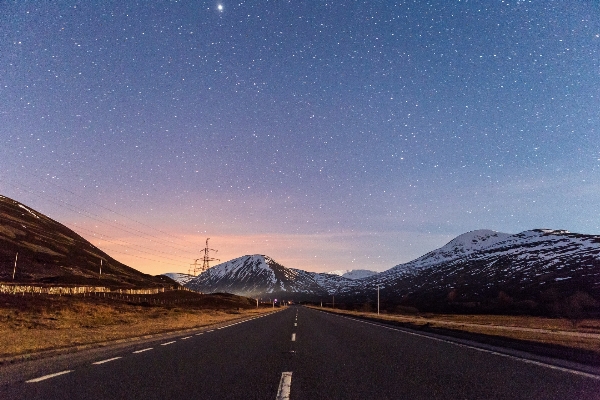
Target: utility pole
332,301
15,269
100,266
377,299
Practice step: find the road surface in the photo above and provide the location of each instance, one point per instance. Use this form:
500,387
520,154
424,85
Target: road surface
300,353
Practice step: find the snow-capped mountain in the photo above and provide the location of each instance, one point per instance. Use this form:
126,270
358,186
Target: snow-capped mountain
180,278
260,276
476,266
353,273
529,268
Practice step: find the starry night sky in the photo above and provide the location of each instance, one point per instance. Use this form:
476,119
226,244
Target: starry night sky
325,134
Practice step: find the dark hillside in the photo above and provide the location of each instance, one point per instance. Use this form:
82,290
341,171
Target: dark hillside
51,253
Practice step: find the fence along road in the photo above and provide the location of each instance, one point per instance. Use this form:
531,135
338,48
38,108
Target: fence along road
306,354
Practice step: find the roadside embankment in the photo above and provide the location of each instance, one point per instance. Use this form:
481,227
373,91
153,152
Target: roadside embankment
36,324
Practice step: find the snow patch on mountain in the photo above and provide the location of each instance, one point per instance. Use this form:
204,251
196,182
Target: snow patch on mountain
28,210
353,273
180,278
460,247
243,267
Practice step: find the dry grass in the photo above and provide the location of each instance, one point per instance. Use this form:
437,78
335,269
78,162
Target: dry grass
557,331
56,322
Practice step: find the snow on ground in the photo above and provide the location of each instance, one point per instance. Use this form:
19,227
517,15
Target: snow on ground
28,210
352,273
180,278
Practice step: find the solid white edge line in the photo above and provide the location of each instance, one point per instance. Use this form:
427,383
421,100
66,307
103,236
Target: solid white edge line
42,378
524,360
105,361
285,383
143,350
164,344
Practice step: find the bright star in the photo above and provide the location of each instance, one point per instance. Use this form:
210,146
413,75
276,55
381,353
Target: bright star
220,7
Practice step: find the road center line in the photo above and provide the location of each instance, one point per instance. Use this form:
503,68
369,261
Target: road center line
198,334
285,383
187,337
295,324
293,337
42,378
143,350
164,344
107,360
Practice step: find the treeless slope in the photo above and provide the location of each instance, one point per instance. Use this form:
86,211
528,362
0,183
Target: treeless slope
51,253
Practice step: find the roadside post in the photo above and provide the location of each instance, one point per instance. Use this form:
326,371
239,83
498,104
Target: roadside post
378,299
15,269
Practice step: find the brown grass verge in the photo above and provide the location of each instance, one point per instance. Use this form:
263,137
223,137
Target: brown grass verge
585,335
40,323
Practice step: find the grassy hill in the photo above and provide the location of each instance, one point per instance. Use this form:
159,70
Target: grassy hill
51,253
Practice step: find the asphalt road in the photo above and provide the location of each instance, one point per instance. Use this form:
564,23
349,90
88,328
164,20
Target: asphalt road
300,353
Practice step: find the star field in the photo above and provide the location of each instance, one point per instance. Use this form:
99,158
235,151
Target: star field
327,135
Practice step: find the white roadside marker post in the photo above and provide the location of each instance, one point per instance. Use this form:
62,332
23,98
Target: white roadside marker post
15,269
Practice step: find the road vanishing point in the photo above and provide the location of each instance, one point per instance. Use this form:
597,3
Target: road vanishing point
299,353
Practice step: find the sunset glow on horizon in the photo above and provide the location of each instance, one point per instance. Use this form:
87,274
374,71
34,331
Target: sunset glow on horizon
325,135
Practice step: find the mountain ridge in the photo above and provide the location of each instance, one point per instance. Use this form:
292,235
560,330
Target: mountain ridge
538,269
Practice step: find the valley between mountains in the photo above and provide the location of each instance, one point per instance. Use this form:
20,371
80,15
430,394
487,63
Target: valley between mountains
541,271
542,279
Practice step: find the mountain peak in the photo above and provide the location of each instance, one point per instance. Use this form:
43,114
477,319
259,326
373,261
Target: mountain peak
475,240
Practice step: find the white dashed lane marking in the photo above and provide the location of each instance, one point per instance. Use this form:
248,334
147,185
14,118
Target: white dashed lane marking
43,378
287,379
285,384
107,360
143,350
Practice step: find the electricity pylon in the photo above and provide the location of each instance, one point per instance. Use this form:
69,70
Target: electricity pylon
205,261
192,271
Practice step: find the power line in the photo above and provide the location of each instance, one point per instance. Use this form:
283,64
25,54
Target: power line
144,258
119,244
104,207
95,217
93,233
